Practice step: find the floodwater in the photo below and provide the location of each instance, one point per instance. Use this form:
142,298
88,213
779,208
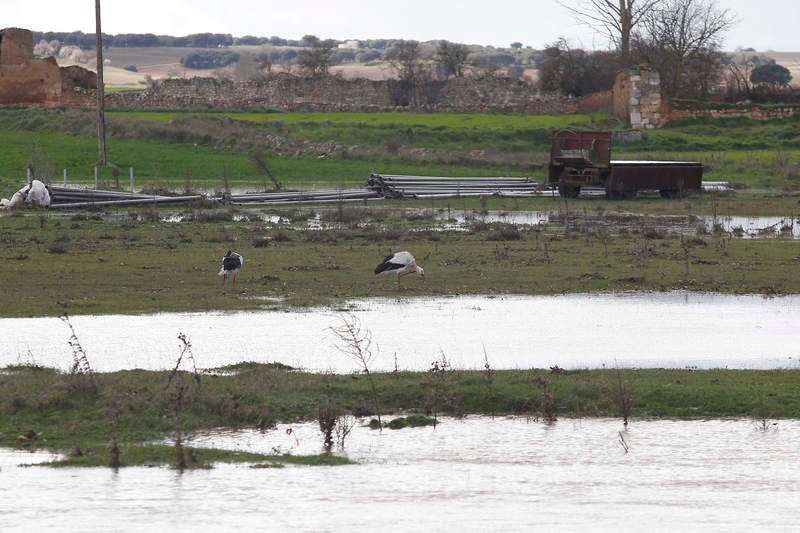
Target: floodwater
747,227
669,330
477,474
460,219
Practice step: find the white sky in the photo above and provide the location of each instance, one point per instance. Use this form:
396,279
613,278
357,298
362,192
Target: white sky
763,25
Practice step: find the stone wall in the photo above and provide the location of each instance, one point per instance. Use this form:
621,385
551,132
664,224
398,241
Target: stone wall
637,99
291,93
27,80
746,111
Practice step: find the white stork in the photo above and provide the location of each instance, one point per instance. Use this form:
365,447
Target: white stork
231,263
400,263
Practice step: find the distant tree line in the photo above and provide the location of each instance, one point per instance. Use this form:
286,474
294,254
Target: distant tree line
681,39
209,59
87,41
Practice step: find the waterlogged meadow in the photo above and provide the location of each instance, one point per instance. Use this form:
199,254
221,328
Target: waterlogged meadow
139,261
563,447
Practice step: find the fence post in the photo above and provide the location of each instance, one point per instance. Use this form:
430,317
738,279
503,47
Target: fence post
131,179
95,177
28,175
65,177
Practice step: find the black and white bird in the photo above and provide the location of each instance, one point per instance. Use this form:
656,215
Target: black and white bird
400,263
231,263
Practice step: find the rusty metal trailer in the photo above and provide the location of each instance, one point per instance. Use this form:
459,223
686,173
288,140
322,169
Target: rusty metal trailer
583,159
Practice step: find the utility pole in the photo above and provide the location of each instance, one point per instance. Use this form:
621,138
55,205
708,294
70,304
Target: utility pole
101,126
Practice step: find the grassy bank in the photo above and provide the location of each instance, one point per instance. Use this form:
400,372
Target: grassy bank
136,261
183,150
85,414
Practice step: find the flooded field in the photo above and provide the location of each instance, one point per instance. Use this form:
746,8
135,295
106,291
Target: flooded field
477,474
671,330
461,219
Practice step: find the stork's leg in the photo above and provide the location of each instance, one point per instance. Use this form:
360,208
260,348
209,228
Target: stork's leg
234,282
224,282
398,282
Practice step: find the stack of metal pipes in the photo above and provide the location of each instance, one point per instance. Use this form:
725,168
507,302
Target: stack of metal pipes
323,196
398,186
68,197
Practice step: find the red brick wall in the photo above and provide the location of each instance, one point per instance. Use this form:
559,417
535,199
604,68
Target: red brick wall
26,80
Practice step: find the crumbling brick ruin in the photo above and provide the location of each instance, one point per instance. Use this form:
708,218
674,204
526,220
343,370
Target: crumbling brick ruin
27,80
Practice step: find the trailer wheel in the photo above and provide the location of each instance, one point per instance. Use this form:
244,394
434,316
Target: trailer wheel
568,191
620,195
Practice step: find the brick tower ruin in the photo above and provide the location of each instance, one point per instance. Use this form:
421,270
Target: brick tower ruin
28,80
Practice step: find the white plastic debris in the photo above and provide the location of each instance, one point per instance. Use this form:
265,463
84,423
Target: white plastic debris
35,194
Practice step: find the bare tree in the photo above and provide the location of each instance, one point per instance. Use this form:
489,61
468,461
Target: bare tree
315,58
738,79
452,57
615,18
575,72
404,58
357,345
681,39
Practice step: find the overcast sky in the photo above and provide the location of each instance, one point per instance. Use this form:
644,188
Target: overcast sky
763,25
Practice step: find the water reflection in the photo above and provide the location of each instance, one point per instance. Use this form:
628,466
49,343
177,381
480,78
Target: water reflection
571,331
479,474
461,220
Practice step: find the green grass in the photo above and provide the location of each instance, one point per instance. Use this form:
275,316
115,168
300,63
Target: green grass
81,414
178,166
728,134
440,120
180,149
131,261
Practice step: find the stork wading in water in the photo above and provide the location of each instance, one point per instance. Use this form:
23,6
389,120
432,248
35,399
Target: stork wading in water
231,263
400,263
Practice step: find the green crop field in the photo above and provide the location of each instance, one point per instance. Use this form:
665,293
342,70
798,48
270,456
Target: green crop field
184,150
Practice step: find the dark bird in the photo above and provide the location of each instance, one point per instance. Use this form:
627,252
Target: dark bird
400,263
231,263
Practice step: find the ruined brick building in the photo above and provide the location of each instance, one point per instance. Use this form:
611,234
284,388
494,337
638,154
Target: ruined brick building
27,80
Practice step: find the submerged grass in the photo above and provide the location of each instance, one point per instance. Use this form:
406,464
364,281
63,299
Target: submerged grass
43,409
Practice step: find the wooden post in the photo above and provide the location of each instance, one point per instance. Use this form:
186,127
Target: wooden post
131,179
28,175
65,177
101,126
95,177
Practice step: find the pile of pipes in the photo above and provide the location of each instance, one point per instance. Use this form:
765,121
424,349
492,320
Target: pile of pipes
394,186
323,196
69,197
